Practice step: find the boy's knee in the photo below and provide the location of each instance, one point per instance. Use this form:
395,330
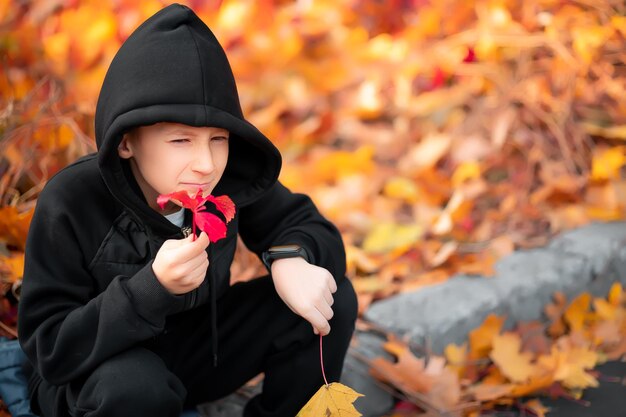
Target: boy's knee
133,383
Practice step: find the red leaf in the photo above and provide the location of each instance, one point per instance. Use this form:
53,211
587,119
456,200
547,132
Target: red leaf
225,205
211,225
181,196
214,227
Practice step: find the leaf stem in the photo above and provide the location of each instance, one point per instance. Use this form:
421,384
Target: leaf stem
193,225
322,362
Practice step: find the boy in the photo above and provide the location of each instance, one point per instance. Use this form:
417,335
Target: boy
120,313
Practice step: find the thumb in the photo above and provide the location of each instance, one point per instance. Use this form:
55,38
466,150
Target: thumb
203,239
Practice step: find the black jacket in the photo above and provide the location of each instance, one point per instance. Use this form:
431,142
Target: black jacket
89,291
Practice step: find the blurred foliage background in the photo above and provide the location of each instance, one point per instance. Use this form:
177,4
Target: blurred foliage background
438,135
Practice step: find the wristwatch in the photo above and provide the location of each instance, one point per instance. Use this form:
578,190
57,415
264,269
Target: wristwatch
282,252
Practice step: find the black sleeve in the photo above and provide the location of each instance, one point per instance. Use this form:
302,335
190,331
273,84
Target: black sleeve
65,328
281,217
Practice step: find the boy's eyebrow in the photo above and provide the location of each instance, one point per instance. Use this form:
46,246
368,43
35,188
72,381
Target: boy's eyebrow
183,131
179,131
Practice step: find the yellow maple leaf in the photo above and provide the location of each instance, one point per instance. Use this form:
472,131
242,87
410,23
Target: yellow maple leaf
514,364
467,170
456,357
537,407
403,189
332,400
489,392
604,309
616,294
537,382
569,366
606,164
577,311
386,237
481,338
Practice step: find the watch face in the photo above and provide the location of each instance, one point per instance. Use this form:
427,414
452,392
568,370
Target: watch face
284,249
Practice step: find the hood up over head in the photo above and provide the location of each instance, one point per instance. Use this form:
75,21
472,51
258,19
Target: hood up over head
173,69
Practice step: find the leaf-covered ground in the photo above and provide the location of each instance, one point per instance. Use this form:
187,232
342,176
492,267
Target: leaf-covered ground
438,135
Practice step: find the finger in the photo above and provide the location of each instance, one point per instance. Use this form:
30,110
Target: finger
198,274
332,284
202,240
175,243
194,264
326,311
318,321
315,330
189,251
329,298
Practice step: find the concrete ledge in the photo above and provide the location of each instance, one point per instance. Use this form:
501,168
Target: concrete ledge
588,259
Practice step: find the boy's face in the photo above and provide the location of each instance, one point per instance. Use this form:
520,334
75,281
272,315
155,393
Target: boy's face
168,157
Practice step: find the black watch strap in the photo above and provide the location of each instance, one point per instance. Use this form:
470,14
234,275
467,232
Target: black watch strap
282,252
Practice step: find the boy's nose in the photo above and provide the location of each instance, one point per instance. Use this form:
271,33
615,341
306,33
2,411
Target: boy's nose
203,162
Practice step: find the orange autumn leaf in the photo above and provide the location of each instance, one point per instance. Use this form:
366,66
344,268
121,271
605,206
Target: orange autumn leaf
616,294
576,313
569,365
332,400
536,407
14,225
515,365
434,381
555,311
537,382
490,392
12,267
481,338
456,357
408,373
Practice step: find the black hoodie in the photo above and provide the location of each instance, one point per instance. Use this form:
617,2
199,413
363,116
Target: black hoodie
89,291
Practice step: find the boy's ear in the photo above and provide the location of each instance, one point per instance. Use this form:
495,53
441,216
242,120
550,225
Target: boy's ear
123,149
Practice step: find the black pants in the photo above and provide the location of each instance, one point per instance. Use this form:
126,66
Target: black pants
257,333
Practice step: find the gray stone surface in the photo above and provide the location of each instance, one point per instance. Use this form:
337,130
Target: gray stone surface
587,259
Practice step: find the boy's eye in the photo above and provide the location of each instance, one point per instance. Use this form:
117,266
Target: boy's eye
219,138
179,140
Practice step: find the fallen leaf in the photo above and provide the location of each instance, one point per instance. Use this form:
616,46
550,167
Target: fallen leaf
386,237
408,373
616,294
489,392
576,313
555,312
456,357
332,400
570,366
515,365
536,407
14,225
481,338
14,266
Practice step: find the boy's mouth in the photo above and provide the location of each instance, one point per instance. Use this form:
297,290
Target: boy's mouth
196,184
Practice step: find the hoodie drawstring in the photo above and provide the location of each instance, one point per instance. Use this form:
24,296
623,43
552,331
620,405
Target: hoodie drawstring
212,294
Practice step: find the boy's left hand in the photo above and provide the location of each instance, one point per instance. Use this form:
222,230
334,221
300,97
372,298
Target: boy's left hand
307,290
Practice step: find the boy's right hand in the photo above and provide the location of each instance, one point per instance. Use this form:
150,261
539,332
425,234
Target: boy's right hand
181,264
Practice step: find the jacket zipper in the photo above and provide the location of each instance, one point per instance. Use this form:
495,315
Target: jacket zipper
186,231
